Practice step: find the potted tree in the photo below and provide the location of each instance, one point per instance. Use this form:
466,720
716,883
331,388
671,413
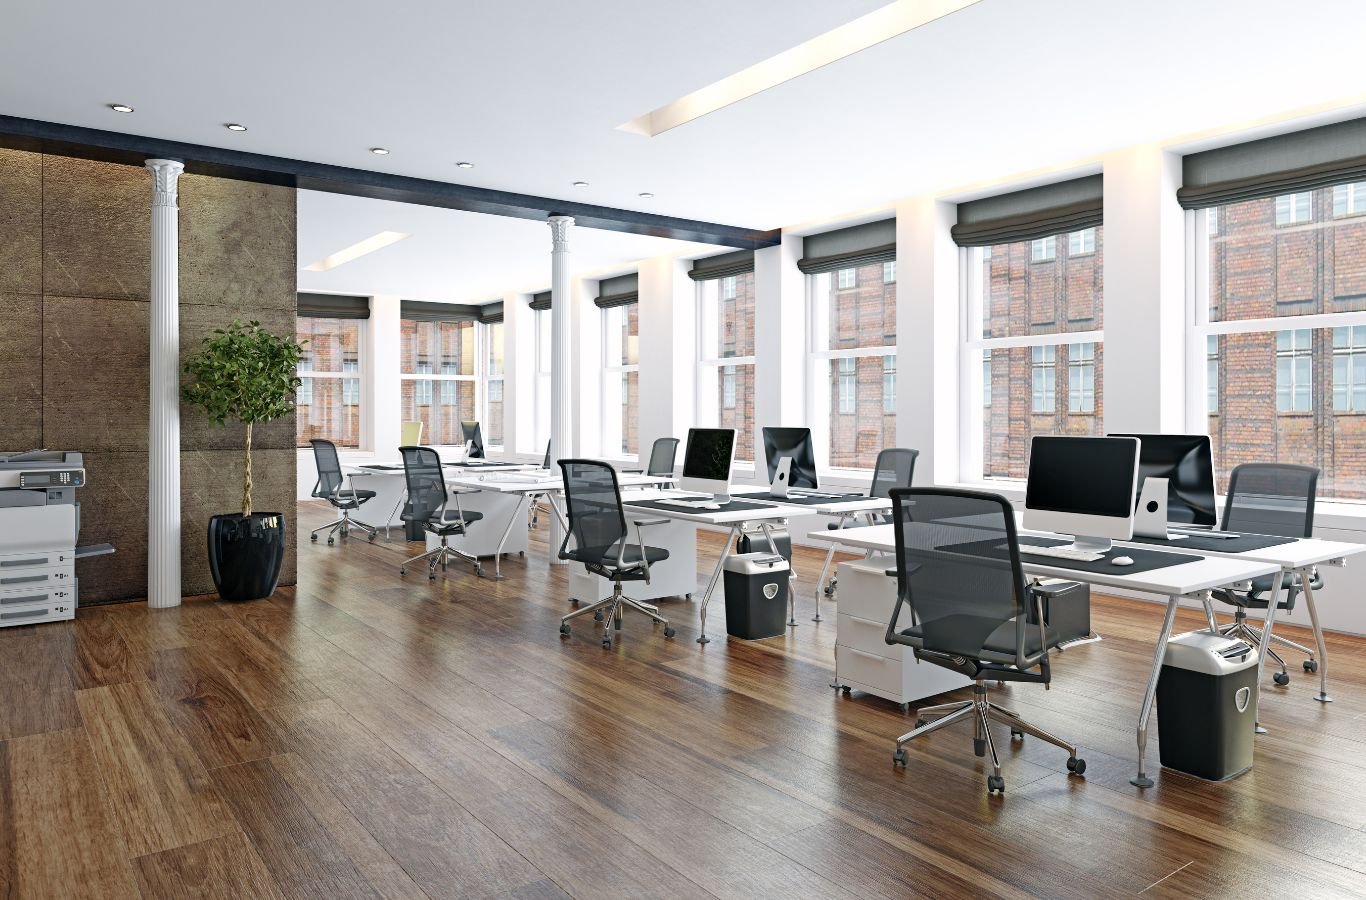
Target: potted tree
246,374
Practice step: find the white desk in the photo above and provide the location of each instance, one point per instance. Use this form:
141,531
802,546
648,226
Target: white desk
766,517
1193,580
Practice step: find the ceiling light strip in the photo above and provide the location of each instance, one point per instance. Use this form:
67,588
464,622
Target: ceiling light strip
357,250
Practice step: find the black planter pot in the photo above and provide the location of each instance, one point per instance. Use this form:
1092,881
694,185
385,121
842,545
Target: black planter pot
245,554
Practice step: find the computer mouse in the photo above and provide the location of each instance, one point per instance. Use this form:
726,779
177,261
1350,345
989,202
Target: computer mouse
1122,561
709,506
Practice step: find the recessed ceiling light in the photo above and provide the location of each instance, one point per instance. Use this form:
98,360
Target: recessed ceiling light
358,249
379,151
646,195
580,184
233,126
464,165
121,107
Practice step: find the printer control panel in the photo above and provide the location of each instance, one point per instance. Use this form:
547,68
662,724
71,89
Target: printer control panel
52,478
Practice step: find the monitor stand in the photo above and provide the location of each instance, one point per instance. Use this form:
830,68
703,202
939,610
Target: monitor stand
1086,544
1150,515
781,478
721,499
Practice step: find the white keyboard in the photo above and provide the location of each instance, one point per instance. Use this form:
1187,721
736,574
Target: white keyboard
691,504
1062,553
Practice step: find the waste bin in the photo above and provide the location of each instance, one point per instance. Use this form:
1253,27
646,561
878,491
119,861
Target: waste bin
1207,705
756,595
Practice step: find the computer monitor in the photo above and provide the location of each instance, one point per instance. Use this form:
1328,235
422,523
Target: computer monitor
1186,462
794,443
1083,486
474,438
706,462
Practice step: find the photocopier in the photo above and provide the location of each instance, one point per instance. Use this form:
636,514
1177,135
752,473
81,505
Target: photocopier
40,520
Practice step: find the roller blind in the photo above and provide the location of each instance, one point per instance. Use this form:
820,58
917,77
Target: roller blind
424,311
1284,164
618,291
724,266
1031,214
333,306
858,245
491,313
541,300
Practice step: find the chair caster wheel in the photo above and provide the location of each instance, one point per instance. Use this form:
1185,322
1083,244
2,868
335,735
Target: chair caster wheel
372,538
846,689
607,643
687,596
920,723
329,542
478,571
979,746
313,538
403,571
1281,678
1311,665
899,757
995,783
564,628
597,617
1076,765
669,632
1016,735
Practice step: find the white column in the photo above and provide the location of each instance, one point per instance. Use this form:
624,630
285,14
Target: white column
779,343
163,439
561,390
519,374
668,351
382,357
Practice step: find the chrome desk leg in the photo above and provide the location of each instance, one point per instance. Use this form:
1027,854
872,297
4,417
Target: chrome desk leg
1141,779
825,569
767,528
1208,603
715,577
1276,581
1318,635
502,542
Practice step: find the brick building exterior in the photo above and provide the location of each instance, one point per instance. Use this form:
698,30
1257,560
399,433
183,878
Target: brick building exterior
438,348
735,383
329,408
861,313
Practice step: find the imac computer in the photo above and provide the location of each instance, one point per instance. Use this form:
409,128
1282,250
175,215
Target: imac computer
474,440
1082,486
706,462
791,459
1187,465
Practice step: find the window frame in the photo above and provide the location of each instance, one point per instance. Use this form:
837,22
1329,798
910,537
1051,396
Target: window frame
622,371
357,375
703,409
429,378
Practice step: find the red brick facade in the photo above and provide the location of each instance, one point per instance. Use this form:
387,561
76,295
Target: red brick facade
329,408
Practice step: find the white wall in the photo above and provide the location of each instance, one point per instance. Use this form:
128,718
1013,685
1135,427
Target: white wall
780,343
668,341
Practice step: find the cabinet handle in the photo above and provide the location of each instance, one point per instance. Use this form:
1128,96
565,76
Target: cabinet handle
866,654
16,563
24,579
24,614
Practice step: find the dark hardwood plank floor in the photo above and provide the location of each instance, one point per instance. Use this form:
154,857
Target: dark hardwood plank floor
367,735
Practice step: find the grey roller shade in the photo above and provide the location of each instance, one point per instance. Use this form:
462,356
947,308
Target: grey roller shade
491,313
1285,164
333,306
423,311
726,265
541,300
1032,213
618,291
858,245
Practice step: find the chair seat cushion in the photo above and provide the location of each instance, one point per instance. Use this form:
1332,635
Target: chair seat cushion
606,563
1259,596
999,646
346,499
453,523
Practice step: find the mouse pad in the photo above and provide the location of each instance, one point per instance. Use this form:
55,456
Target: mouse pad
1144,560
1241,544
732,506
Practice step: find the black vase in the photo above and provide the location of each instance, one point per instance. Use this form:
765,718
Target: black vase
245,554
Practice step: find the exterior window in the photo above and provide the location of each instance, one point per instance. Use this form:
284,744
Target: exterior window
1043,379
493,384
328,401
728,288
1080,243
848,384
1294,370
1349,199
889,272
725,359
438,378
847,278
543,398
621,380
1294,209
1212,220
1212,374
728,387
1044,249
889,384
1349,369
986,378
1081,378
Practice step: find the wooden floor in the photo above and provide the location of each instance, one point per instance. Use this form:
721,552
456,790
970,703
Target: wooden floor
367,735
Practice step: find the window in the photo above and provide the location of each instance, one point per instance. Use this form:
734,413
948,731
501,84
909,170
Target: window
621,380
543,398
1294,209
1044,249
1034,321
1349,199
1212,220
852,337
493,384
437,362
1081,243
1280,386
725,358
328,401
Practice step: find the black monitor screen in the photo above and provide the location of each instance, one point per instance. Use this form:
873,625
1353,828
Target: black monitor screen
1187,464
709,453
796,443
1089,476
472,433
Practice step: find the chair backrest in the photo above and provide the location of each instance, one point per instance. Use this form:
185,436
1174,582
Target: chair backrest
329,468
410,434
1271,498
894,468
426,484
593,506
958,569
662,456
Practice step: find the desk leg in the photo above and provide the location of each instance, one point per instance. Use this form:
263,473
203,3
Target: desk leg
1318,635
825,570
767,529
564,523
1142,780
502,542
1208,603
1277,581
715,577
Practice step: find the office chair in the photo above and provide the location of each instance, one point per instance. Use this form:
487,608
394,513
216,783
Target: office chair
427,501
410,433
1270,498
597,525
662,455
343,499
958,569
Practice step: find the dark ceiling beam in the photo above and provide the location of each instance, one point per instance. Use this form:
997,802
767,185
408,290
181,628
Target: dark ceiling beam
131,149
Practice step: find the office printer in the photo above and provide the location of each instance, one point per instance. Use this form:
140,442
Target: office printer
40,521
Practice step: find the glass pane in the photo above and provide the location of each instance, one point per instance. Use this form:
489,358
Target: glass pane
327,415
440,405
332,345
620,412
495,344
620,334
1010,418
443,348
862,421
1032,287
725,399
726,329
860,314
329,408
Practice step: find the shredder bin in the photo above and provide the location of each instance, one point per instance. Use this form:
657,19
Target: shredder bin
1207,705
756,595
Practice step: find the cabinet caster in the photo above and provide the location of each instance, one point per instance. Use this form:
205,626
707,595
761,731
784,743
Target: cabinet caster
313,538
1311,665
564,628
1076,765
1016,734
597,616
899,757
995,783
1280,678
669,632
478,571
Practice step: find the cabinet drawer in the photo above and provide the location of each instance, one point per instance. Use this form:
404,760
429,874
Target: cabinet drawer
868,636
31,613
36,578
881,672
865,592
12,564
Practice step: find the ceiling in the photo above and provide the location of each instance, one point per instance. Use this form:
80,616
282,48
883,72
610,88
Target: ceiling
532,92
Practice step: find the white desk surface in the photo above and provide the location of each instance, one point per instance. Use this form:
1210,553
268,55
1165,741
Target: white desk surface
1187,578
493,482
1295,555
835,506
451,465
702,516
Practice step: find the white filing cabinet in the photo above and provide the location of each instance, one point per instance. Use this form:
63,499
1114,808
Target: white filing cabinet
37,564
864,661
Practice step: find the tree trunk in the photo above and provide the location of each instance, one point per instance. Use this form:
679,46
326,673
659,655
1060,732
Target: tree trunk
246,480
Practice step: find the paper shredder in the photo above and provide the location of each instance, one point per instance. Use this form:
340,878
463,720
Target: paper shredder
1207,705
756,595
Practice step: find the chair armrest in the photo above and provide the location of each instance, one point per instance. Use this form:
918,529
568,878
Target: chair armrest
632,471
641,523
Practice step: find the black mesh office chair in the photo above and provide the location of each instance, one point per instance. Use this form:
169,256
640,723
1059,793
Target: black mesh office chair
958,570
427,504
663,452
1270,498
333,487
597,526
